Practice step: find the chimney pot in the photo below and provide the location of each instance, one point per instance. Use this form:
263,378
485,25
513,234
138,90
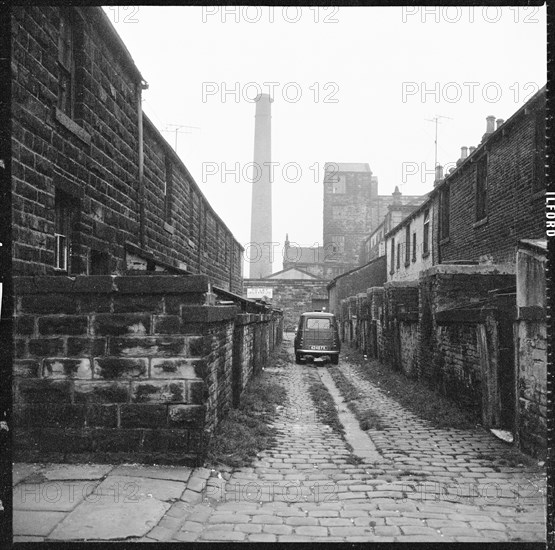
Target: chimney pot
471,149
464,152
499,122
439,172
490,126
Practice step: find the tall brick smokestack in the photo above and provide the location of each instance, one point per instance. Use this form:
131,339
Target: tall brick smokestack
261,213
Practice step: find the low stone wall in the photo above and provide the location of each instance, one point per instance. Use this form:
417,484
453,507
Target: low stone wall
127,368
531,360
468,333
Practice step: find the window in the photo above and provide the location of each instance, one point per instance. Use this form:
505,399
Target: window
538,182
407,246
481,188
338,186
398,255
444,213
317,324
392,269
168,185
64,213
66,65
426,236
414,247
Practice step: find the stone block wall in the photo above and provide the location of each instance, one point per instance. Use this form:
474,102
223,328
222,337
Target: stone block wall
451,298
455,368
399,336
292,296
355,281
133,203
123,368
531,360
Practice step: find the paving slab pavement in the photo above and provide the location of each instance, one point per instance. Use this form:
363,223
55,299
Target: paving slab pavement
62,502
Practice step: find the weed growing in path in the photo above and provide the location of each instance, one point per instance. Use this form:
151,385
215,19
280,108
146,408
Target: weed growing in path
245,431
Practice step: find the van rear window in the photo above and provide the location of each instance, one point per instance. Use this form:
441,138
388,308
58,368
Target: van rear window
313,323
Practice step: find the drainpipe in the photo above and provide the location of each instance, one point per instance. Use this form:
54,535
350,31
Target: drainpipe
142,86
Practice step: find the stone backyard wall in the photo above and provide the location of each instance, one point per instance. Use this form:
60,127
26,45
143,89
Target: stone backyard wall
131,368
531,360
292,296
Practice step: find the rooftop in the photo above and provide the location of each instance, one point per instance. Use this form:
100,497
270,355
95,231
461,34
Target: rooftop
347,167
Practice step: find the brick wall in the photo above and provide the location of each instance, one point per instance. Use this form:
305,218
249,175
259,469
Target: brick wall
124,368
93,156
355,281
514,195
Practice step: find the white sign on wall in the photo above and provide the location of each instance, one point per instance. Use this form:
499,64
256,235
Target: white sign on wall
260,292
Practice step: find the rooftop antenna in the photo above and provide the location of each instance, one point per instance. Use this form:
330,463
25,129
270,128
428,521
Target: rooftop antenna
177,129
436,120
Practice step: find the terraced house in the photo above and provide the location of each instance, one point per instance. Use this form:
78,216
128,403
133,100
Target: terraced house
464,302
97,189
130,333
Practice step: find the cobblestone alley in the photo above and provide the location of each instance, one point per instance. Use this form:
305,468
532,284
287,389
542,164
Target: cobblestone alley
417,484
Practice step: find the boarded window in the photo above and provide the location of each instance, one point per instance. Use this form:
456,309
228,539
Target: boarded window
414,247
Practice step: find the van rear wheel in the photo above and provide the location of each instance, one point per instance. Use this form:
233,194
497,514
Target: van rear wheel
335,359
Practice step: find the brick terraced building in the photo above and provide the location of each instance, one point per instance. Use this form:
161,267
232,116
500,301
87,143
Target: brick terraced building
96,189
464,303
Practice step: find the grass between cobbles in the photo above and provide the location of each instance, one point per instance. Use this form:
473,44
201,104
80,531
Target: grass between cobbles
414,395
367,418
325,406
246,430
326,412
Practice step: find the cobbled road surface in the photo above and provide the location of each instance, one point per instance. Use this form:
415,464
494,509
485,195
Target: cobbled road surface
427,484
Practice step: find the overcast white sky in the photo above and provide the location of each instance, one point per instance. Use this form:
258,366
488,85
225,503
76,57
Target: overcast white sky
374,64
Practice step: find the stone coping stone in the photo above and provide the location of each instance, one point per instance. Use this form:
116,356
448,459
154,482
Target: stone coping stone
207,314
106,284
